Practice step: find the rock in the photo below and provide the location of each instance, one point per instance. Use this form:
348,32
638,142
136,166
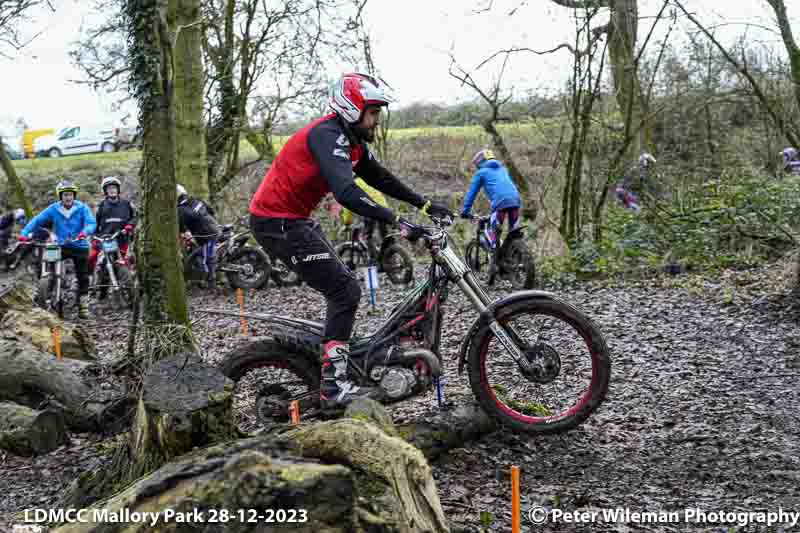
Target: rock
27,432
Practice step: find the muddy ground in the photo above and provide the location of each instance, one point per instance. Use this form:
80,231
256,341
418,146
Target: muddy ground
701,411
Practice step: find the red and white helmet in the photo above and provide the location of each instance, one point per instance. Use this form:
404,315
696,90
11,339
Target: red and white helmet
354,92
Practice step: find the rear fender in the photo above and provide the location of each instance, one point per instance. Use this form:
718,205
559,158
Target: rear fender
490,313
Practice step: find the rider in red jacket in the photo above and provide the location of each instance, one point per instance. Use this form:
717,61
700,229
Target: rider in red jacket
318,159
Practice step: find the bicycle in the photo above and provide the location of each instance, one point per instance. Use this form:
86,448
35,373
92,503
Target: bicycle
511,260
391,258
520,348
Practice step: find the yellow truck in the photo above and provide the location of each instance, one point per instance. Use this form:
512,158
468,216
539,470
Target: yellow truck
29,136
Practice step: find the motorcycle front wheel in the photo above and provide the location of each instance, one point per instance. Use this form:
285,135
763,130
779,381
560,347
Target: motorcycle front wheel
570,367
123,296
478,261
398,264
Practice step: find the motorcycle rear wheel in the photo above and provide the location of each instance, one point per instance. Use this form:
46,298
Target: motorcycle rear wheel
267,377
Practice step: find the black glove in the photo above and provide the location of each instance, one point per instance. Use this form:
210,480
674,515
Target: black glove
437,210
410,231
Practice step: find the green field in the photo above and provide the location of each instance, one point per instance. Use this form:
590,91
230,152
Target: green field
127,161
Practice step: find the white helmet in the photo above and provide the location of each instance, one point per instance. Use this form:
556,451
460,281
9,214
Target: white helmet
110,180
646,158
181,190
19,215
351,94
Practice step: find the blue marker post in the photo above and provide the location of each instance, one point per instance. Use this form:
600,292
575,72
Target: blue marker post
372,283
439,382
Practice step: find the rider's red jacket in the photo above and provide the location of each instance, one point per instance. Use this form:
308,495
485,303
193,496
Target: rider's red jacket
321,158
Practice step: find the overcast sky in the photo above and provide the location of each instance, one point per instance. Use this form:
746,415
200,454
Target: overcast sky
412,40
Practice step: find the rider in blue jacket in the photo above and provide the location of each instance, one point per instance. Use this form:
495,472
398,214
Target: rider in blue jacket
72,223
503,196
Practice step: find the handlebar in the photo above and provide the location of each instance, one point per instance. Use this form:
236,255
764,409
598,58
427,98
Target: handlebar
476,218
52,238
107,237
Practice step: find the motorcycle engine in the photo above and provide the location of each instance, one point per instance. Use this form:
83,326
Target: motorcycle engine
398,383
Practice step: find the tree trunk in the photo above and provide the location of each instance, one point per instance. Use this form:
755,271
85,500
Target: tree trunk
623,30
165,312
791,45
342,476
15,186
185,404
34,378
191,166
26,432
221,131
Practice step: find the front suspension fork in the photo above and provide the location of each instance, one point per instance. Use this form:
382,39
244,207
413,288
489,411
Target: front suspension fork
504,333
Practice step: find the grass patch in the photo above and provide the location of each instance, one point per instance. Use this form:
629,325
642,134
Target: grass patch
526,408
49,167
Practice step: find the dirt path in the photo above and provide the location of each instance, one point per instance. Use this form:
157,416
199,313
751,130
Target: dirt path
701,413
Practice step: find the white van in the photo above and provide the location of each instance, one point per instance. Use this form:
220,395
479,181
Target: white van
76,140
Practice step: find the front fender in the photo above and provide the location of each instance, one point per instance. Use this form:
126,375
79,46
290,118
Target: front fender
489,314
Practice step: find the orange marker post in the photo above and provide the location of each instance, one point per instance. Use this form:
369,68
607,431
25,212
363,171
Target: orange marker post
294,410
515,516
57,341
240,299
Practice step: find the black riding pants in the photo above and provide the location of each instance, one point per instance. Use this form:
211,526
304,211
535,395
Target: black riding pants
302,246
80,258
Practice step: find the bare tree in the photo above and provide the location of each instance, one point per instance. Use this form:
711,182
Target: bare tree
363,37
13,13
101,52
246,41
789,129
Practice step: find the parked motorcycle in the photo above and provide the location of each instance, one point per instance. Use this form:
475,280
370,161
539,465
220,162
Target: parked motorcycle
391,258
246,267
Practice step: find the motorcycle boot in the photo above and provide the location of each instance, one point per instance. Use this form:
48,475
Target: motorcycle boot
336,389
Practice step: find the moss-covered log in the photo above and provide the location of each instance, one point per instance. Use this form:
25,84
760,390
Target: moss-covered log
339,476
447,429
19,317
27,432
76,388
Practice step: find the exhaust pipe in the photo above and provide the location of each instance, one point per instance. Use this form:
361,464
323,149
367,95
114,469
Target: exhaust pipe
418,353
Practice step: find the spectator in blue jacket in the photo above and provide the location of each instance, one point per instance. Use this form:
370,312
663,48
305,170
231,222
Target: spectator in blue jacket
503,194
72,223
